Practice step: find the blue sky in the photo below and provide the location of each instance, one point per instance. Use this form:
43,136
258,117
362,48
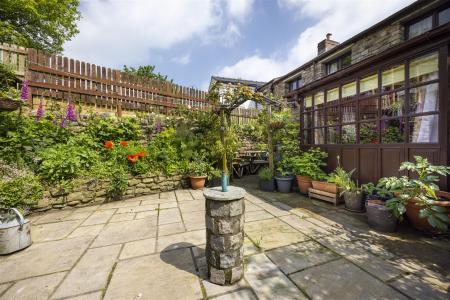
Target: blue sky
190,40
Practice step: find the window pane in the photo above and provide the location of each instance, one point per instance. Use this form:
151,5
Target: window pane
333,115
319,99
392,131
368,109
349,89
332,95
308,101
306,137
424,99
307,119
346,60
319,136
393,105
424,68
420,27
423,129
349,134
368,85
333,135
368,133
319,117
444,16
348,112
332,67
393,78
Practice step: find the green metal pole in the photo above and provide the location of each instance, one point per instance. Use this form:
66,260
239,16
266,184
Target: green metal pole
224,179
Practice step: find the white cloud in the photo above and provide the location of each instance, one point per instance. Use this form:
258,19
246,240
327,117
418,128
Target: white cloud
117,32
239,9
343,18
182,60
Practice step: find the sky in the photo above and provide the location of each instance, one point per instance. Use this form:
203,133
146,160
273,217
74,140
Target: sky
191,40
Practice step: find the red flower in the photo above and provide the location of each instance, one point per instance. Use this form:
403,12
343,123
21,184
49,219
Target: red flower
108,144
124,143
133,158
140,154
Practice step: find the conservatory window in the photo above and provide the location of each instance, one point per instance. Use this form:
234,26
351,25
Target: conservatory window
392,105
368,85
392,131
424,129
308,101
349,89
319,136
368,133
424,99
349,134
424,68
319,99
368,109
333,135
393,78
332,95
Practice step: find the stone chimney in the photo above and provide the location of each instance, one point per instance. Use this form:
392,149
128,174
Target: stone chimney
326,44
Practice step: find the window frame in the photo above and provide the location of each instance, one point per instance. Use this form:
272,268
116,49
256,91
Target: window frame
434,20
338,60
404,118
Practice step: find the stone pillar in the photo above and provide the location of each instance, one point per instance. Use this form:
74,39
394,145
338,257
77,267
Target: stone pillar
224,234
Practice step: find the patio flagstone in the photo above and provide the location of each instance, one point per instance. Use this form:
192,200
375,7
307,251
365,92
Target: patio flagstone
97,263
43,258
170,275
40,287
289,252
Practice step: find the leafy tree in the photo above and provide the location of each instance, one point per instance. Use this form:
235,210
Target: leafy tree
147,71
41,24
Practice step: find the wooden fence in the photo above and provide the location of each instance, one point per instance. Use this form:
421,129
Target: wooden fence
104,89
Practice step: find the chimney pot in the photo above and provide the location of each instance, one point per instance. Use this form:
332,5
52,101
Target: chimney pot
328,36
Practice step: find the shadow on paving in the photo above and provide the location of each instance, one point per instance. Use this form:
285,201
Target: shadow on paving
167,256
419,250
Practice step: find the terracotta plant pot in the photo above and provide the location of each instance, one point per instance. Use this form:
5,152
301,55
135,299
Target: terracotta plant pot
198,182
354,201
304,183
413,211
379,217
325,186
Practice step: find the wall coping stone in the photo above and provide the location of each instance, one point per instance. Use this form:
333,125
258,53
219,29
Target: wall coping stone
233,193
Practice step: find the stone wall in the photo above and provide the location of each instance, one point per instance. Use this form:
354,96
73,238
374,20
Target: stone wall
95,191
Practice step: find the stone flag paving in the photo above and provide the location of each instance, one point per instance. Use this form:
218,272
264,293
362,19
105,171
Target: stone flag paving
152,247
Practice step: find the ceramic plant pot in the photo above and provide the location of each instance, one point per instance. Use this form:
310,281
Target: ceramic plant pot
354,201
413,214
198,182
284,183
379,217
304,183
325,186
267,185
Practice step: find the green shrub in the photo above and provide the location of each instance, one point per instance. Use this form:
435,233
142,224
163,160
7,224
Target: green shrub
199,167
62,163
265,174
19,188
309,163
164,153
21,138
109,129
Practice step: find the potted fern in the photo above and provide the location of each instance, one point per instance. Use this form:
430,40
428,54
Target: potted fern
353,196
198,171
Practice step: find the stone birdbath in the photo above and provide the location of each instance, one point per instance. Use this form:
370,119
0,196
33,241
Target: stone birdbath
224,218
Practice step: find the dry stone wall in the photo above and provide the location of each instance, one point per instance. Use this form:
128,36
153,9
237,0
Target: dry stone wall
95,191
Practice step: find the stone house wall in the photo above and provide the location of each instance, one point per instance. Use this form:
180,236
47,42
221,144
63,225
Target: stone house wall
95,191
